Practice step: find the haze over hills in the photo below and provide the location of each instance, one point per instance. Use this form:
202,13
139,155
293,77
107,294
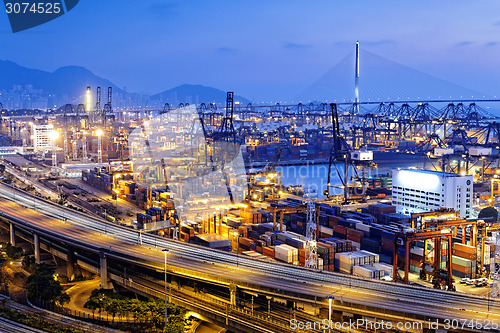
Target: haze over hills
22,87
62,82
382,80
194,94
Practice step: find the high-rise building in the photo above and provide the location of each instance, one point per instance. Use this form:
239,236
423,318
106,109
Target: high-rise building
42,137
416,191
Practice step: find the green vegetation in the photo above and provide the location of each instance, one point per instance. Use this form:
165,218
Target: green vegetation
149,313
43,285
4,276
63,198
13,252
488,212
29,264
35,322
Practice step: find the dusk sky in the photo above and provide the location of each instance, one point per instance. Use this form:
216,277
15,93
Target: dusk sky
263,50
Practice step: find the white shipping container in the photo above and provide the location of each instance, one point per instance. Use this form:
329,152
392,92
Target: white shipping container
442,151
479,151
463,262
418,251
326,230
388,269
285,253
363,227
362,271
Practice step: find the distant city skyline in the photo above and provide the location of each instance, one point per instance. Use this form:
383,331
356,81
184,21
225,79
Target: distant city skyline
267,51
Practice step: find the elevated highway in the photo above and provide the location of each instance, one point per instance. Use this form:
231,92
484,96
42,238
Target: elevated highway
303,288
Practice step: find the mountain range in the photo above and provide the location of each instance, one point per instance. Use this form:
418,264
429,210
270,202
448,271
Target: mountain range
61,82
16,80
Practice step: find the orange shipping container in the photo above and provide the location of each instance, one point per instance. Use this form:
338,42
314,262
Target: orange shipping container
466,255
464,248
461,268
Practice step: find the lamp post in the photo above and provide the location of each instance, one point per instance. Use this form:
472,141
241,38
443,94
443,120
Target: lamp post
166,310
330,299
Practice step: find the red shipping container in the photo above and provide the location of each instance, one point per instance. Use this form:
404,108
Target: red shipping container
354,238
333,221
340,230
355,233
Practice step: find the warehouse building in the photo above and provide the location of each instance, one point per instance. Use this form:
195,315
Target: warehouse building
416,191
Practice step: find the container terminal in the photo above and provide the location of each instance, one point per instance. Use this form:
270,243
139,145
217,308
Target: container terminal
407,194
407,222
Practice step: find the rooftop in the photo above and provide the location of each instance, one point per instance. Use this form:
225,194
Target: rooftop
431,172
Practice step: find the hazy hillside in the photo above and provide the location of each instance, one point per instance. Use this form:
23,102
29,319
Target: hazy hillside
194,94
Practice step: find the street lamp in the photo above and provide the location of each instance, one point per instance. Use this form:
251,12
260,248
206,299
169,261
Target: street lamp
166,311
330,299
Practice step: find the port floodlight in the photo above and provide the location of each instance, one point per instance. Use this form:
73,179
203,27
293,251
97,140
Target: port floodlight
54,135
99,132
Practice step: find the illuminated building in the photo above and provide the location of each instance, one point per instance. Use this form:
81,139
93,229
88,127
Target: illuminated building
415,191
42,137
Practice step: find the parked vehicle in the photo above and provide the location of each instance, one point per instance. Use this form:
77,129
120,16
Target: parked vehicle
481,282
471,282
464,280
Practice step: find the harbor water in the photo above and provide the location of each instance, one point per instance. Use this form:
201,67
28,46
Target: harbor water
315,176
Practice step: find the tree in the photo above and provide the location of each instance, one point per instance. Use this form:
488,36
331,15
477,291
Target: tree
156,312
112,307
91,304
63,198
43,285
123,308
29,264
13,252
488,212
2,168
174,327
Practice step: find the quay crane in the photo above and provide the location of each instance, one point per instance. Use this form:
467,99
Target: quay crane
342,152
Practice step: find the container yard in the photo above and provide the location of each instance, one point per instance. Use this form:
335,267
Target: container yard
367,222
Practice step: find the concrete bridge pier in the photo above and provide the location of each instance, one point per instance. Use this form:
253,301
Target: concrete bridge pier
12,235
103,271
36,243
72,270
233,291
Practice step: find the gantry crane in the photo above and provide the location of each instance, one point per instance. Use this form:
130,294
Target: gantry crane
476,227
410,235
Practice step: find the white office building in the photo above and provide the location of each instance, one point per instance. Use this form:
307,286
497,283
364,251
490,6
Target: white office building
416,191
42,137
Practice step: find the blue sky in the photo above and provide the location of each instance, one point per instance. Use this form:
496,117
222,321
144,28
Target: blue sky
264,50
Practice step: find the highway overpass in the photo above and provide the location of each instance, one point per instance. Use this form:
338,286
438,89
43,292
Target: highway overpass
95,243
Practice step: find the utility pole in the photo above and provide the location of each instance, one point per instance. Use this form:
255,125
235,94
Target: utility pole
166,309
311,259
99,133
